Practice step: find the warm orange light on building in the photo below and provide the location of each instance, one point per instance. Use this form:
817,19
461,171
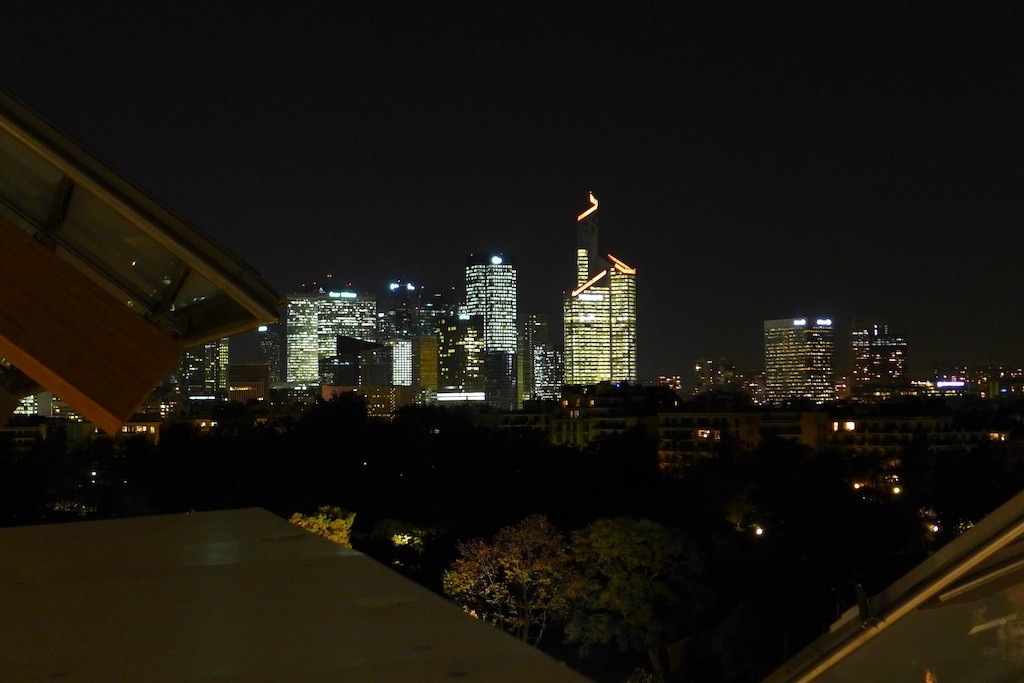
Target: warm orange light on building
592,209
620,266
589,283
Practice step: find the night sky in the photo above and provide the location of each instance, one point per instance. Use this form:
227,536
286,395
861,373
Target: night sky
753,160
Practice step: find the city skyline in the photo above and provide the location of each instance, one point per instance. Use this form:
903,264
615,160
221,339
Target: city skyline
858,162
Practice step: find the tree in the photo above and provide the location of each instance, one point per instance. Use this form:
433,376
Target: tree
332,523
641,585
522,581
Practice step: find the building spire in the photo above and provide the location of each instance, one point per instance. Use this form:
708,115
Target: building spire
592,209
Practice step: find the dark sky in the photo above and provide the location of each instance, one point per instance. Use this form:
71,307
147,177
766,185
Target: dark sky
753,160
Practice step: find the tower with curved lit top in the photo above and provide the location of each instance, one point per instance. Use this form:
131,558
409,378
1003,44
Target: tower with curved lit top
599,314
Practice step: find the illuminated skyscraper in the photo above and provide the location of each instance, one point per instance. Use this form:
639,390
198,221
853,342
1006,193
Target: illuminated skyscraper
460,358
549,374
271,347
491,294
425,368
203,370
600,312
398,311
314,323
533,342
878,357
345,314
401,362
303,351
798,359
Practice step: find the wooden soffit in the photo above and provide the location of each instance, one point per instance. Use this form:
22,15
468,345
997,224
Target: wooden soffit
64,331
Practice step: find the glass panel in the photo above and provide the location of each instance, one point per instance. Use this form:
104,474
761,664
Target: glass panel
127,254
26,181
98,278
196,289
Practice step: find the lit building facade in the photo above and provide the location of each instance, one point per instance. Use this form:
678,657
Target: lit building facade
491,294
272,350
543,370
599,315
533,343
424,368
401,362
798,358
878,357
314,323
303,351
398,311
710,374
460,358
345,314
549,375
203,371
249,382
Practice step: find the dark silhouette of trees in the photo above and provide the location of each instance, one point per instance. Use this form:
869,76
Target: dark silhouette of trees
643,586
445,472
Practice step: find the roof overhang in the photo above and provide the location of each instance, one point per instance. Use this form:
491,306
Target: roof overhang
100,247
959,613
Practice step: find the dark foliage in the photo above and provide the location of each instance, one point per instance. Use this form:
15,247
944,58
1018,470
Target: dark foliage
439,473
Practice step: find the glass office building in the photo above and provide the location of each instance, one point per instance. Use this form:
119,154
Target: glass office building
798,363
314,323
599,315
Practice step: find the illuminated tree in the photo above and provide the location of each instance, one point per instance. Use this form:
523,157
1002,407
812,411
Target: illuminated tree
641,578
523,581
332,523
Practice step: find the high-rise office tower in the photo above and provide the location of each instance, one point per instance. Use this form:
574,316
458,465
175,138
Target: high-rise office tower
798,359
303,351
314,323
878,356
533,342
346,314
424,368
600,312
401,362
398,311
543,368
203,370
491,294
432,307
460,358
549,374
272,350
